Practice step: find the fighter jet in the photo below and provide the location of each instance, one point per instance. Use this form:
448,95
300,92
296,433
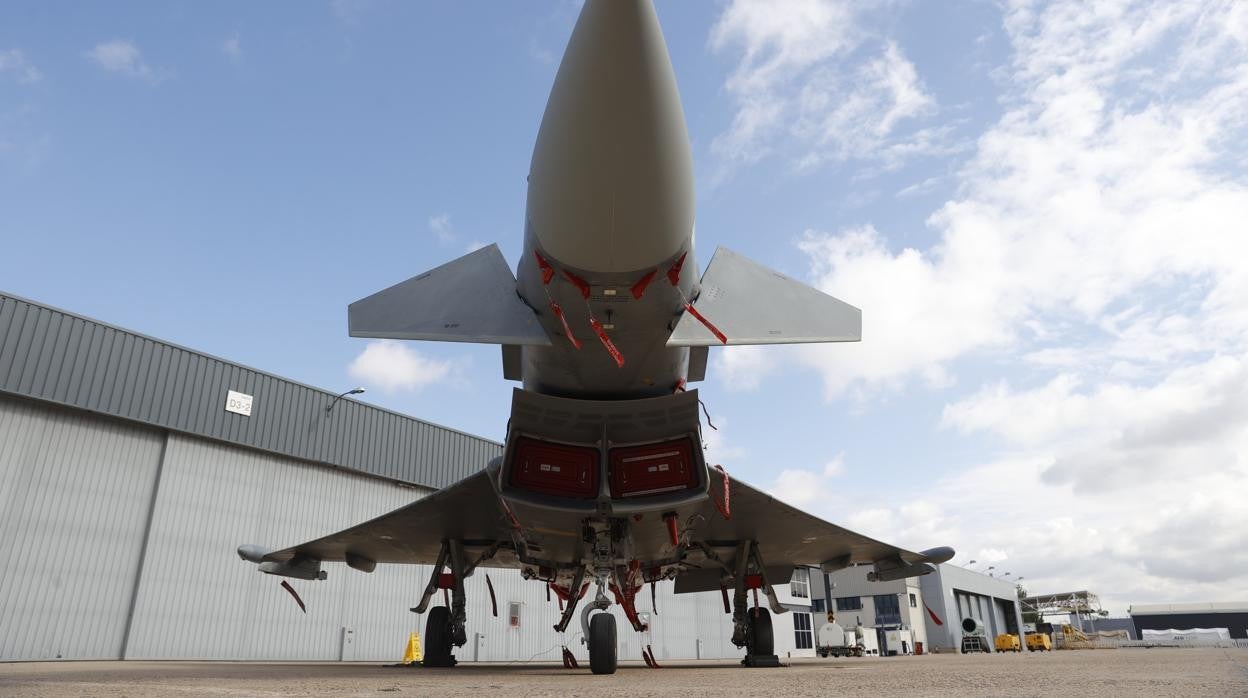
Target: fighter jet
603,483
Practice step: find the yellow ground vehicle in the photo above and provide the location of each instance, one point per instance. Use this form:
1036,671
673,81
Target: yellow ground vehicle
1007,643
1039,642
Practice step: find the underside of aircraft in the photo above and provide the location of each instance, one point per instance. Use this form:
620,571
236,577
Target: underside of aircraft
603,482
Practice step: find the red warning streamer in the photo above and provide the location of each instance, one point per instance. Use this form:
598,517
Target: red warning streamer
554,308
723,339
548,272
606,341
639,289
935,618
581,284
673,274
286,585
725,507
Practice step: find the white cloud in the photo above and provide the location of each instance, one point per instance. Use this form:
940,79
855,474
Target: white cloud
1093,208
14,62
475,245
124,58
1095,252
1116,435
440,226
805,89
719,450
801,488
854,119
393,367
232,47
810,489
742,368
836,466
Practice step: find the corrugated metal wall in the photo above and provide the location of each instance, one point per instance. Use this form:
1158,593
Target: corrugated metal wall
52,355
75,490
197,600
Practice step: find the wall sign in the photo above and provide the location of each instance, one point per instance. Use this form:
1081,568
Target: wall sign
238,403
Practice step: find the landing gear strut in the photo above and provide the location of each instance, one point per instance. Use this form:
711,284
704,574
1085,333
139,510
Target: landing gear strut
752,626
599,631
445,628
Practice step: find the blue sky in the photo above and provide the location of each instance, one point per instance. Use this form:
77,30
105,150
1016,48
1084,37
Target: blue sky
1039,207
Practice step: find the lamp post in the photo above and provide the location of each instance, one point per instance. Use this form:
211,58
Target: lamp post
353,391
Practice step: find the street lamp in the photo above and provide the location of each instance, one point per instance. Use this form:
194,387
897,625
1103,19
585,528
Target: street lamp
989,570
353,391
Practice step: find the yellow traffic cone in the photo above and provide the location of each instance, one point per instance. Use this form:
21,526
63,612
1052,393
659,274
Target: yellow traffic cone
413,652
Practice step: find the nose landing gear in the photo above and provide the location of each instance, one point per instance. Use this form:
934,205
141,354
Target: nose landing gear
602,644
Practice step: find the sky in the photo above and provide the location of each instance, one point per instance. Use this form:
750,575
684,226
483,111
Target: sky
1040,208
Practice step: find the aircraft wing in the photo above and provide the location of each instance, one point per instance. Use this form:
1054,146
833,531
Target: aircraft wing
466,510
787,537
751,304
470,299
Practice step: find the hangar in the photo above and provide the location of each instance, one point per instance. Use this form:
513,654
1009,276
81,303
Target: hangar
131,469
1186,616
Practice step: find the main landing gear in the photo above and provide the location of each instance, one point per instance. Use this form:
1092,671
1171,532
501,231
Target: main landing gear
752,626
445,628
609,572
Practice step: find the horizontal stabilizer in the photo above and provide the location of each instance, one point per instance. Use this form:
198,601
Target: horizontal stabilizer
751,304
470,299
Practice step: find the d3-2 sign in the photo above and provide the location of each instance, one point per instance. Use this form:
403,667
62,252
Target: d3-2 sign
238,403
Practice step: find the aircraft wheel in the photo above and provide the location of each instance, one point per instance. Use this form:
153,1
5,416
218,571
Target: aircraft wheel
761,638
602,646
438,638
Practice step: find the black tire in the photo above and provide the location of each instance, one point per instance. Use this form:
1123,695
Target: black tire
602,646
761,639
438,638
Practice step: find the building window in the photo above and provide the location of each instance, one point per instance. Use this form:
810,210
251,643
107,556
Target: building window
817,606
887,610
513,614
849,603
914,602
799,586
802,638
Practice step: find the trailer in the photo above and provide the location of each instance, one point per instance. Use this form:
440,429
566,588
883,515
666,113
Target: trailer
836,641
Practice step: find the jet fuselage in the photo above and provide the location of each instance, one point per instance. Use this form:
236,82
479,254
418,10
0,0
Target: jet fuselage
610,202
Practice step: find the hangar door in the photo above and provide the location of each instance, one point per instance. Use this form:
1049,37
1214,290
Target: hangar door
75,493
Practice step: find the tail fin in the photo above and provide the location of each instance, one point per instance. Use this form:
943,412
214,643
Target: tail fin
470,299
751,304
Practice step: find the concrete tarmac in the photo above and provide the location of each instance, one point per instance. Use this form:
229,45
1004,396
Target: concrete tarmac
1122,672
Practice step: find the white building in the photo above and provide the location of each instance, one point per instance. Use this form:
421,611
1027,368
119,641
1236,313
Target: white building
853,601
931,607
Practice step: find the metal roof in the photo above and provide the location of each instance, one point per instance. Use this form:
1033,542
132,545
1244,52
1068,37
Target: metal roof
1158,609
55,356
